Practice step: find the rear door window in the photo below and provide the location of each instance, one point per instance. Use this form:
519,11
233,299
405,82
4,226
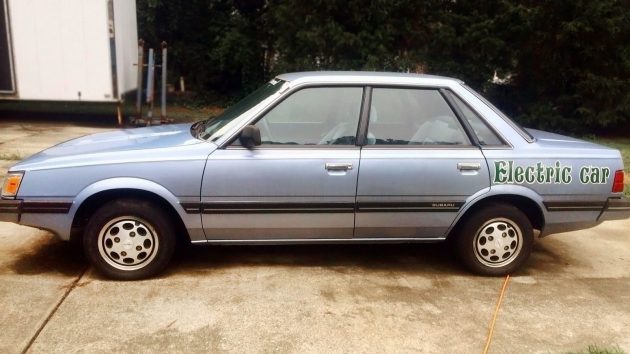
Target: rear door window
402,116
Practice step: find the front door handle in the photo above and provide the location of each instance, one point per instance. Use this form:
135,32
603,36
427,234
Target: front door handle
468,166
338,166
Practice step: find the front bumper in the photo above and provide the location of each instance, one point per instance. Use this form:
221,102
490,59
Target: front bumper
617,208
10,210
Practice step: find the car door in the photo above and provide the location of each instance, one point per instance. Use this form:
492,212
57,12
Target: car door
300,183
417,168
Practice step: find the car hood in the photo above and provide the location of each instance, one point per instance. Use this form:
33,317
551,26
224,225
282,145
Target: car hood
101,147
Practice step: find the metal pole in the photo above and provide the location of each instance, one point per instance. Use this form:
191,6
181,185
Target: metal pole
119,113
163,100
140,66
150,85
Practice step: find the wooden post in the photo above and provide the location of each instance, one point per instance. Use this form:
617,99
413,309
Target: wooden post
139,79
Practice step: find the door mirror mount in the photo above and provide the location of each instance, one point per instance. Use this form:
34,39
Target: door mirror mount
250,136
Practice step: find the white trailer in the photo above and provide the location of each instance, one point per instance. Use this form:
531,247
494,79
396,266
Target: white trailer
68,50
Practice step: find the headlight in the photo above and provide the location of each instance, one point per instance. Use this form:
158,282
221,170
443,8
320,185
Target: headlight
11,184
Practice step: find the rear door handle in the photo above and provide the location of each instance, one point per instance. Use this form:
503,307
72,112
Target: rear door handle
468,166
338,166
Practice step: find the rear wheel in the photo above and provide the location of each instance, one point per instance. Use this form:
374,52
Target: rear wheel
495,240
129,239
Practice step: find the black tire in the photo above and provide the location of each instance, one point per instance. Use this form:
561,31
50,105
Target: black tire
488,241
128,239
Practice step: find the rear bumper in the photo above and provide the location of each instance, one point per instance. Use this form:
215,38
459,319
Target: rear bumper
615,209
10,210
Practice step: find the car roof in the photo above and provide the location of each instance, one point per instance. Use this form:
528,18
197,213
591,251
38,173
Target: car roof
366,77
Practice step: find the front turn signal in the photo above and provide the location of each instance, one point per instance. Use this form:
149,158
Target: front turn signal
618,182
11,184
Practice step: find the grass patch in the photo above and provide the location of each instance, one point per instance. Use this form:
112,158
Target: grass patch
11,156
623,145
184,114
593,349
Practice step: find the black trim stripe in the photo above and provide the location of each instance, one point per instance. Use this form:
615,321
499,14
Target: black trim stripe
45,207
266,207
341,207
383,207
191,208
575,206
276,210
617,204
10,206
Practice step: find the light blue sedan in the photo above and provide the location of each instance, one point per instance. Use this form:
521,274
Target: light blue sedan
321,157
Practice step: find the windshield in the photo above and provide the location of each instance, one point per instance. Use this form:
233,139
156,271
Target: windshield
524,133
213,128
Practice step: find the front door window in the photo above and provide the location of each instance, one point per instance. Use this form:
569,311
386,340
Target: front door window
314,116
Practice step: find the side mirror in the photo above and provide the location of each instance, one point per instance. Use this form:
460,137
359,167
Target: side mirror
250,136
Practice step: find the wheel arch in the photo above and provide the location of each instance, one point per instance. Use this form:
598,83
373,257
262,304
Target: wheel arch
95,195
529,203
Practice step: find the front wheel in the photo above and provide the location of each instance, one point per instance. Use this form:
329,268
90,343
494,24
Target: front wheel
495,240
129,239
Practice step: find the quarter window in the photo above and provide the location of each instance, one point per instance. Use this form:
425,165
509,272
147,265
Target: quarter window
314,116
485,135
412,117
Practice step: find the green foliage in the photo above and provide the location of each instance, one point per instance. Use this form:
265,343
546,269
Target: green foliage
573,64
593,349
472,40
213,44
565,64
346,35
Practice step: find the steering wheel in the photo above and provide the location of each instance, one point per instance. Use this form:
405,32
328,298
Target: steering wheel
428,141
335,133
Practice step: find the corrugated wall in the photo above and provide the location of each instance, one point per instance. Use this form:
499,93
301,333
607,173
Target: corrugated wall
62,50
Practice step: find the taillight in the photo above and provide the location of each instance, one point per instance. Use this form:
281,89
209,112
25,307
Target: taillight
618,182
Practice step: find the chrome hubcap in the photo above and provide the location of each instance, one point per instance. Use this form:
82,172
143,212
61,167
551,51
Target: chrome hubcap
498,242
128,243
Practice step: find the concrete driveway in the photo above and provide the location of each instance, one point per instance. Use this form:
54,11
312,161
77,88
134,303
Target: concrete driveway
574,292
